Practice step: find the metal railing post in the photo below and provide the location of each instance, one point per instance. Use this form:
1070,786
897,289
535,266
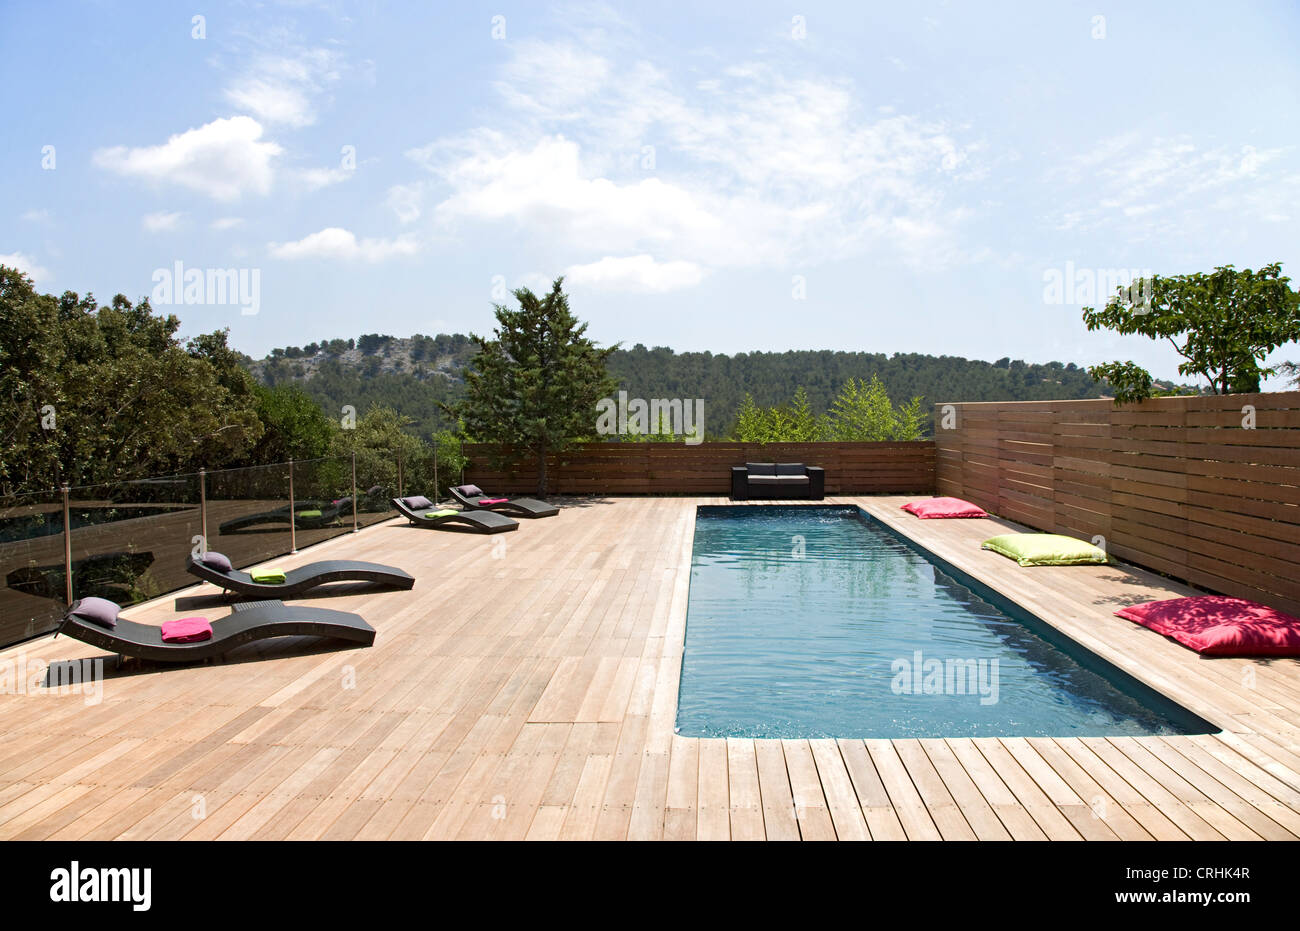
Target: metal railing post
355,529
437,489
67,546
400,491
203,507
462,460
293,517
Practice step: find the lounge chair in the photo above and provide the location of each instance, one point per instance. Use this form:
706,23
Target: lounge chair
307,515
463,521
297,581
471,498
247,622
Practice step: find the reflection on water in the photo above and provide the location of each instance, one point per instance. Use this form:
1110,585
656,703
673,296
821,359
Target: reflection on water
808,621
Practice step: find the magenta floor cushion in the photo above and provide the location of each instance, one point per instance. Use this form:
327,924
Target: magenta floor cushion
186,630
944,507
1215,625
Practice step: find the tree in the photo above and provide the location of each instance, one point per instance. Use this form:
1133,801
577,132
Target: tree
533,389
1223,324
96,393
862,412
294,426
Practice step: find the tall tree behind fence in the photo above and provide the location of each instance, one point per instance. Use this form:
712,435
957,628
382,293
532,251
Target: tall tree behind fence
1206,489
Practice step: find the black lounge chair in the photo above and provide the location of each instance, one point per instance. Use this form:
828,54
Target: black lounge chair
329,514
518,507
302,579
463,521
254,620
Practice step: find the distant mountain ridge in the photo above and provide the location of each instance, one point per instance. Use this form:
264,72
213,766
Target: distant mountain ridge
414,374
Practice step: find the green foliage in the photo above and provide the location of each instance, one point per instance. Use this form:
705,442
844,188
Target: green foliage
1128,380
96,393
861,412
1223,324
533,389
294,426
379,437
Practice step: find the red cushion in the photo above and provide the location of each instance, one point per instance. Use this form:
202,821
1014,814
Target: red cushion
492,500
944,507
1216,625
186,630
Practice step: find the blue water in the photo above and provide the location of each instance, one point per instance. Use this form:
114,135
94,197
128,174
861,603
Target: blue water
822,622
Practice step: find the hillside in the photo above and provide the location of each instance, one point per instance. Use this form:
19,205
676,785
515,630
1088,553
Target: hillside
414,374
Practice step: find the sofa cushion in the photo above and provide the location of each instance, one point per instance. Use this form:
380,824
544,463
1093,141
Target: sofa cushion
791,468
764,479
792,480
760,468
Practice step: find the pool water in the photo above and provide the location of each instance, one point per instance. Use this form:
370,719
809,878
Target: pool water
820,621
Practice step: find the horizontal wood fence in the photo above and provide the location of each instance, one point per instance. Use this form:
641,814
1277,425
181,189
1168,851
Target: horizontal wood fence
1205,489
705,468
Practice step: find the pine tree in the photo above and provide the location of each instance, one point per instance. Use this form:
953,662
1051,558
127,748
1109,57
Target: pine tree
532,391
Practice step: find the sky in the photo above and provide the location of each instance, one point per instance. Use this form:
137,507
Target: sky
908,177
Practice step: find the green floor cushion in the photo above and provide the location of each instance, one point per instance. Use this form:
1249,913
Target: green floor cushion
1046,549
270,576
445,512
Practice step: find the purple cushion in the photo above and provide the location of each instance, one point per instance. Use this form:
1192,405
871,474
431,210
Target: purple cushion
417,502
469,491
99,611
216,561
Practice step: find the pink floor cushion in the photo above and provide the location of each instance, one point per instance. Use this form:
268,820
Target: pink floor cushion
944,507
493,500
186,630
1215,625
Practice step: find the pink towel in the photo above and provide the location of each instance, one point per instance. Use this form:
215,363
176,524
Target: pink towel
186,630
493,500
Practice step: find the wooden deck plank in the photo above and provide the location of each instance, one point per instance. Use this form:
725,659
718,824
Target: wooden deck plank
535,696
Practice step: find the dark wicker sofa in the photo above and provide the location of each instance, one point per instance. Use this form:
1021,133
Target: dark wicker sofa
777,480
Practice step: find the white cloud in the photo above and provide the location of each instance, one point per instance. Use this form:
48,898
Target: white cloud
280,89
1154,185
37,216
226,223
316,178
337,243
224,159
406,201
161,222
25,264
637,273
749,167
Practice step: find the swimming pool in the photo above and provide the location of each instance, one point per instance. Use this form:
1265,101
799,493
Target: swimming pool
821,621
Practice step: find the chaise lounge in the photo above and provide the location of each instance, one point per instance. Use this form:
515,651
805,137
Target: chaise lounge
423,513
777,480
306,516
296,581
247,622
472,498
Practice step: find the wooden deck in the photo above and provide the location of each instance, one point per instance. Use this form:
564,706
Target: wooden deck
527,686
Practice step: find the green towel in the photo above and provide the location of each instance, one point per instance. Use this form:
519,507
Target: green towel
268,576
445,512
314,513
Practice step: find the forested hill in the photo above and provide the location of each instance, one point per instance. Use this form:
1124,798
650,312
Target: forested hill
414,374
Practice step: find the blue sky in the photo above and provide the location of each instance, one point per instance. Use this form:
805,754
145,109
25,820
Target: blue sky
757,176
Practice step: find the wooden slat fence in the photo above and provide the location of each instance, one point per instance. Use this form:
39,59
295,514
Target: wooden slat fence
1186,486
704,469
